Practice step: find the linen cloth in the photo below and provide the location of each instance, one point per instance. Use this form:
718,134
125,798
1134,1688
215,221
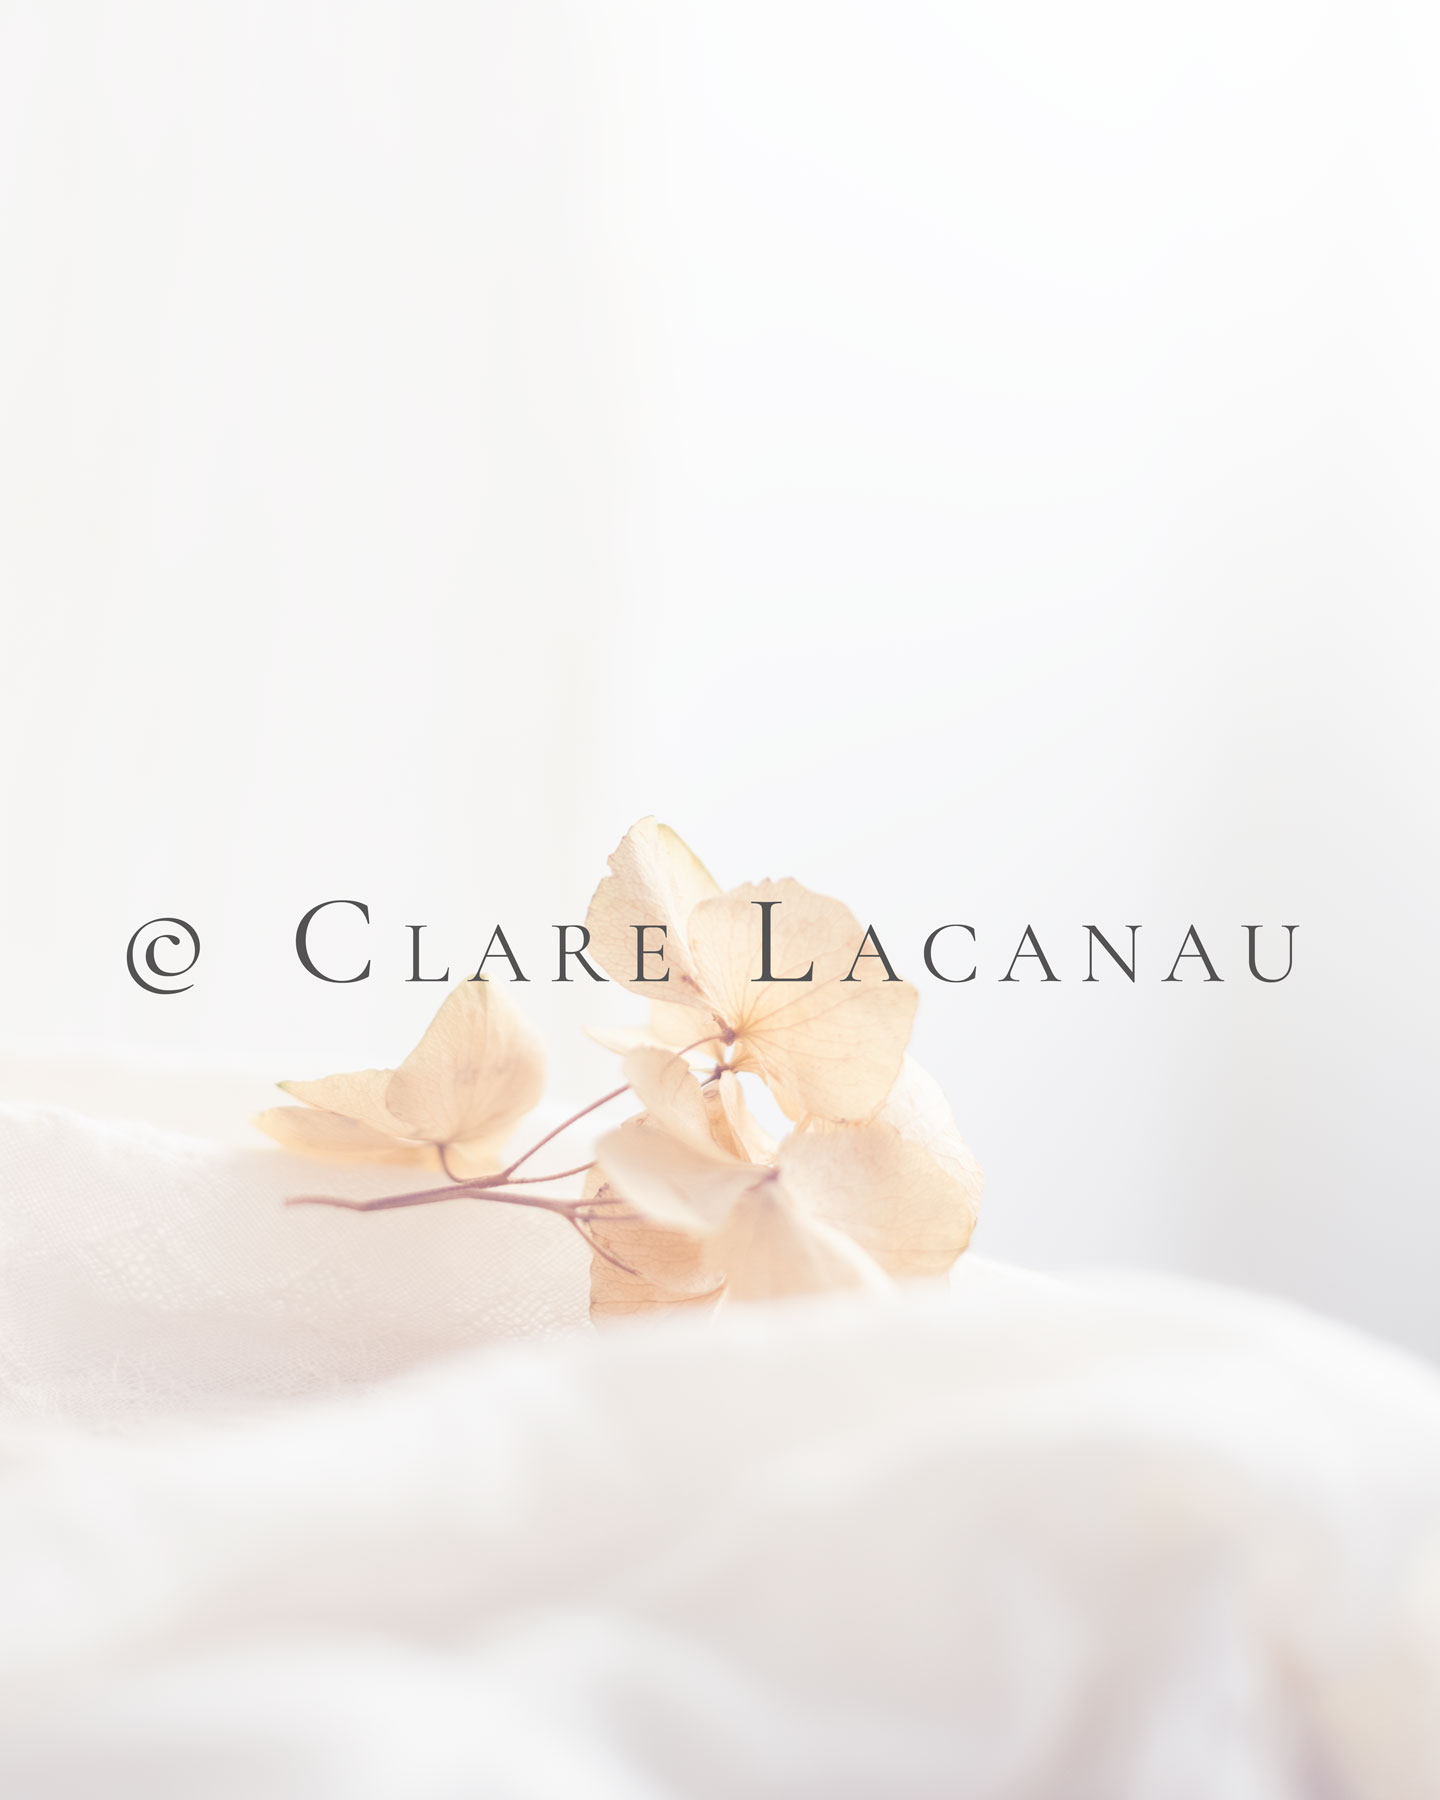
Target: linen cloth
276,1520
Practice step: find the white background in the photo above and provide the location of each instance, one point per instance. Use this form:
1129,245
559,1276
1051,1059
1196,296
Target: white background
980,460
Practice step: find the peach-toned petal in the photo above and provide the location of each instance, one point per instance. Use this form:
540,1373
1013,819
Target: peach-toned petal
679,1027
904,1186
732,1124
672,1270
308,1131
754,1232
916,1106
478,1069
622,1039
711,1116
828,1047
764,1248
477,1156
655,879
769,1249
359,1095
666,1086
674,1181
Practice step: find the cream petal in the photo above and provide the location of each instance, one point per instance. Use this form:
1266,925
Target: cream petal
665,1085
478,1069
917,1107
828,1047
679,1027
736,1128
671,1269
741,1218
770,1249
478,1156
671,1180
905,1186
655,879
308,1131
624,1038
359,1095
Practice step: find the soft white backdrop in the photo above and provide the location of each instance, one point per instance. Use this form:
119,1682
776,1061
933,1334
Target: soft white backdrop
979,460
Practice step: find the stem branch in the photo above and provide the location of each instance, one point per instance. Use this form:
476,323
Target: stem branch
564,1125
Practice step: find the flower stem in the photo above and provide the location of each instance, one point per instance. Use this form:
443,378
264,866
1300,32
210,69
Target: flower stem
579,1213
559,1175
564,1125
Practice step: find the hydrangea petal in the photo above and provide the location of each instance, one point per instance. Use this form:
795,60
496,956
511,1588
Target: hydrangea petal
828,1047
671,1269
771,1248
333,1137
672,1180
478,1069
359,1095
905,1185
655,879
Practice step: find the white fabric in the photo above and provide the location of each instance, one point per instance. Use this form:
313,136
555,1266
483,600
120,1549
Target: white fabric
141,1271
1100,1539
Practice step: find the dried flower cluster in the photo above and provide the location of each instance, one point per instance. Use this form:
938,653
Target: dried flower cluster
691,1201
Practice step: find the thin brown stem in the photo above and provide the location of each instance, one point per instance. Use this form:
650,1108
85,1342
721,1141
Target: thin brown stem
600,1249
577,1213
559,1175
460,1190
580,1213
508,1173
428,1196
564,1125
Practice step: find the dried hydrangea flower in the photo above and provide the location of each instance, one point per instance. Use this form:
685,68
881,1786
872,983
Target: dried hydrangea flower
692,1202
721,1208
829,1047
451,1104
